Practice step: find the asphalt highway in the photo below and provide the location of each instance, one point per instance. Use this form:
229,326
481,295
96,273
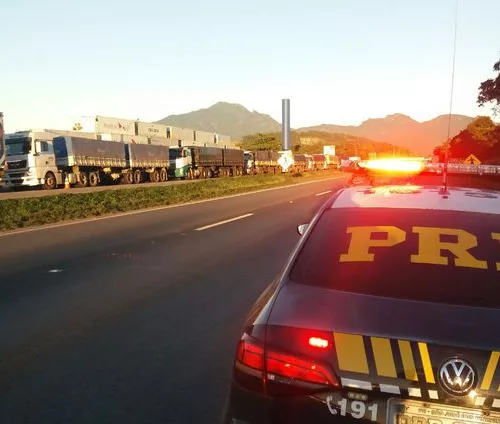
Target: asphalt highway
135,318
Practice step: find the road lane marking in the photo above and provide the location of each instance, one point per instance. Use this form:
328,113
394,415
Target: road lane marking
206,227
154,209
323,192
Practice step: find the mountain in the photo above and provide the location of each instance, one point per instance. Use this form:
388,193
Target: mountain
402,130
225,118
398,129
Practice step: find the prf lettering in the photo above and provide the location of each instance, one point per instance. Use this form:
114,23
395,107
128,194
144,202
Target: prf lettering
430,245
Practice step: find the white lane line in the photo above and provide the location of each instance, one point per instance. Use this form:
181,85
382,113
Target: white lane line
154,209
323,192
206,227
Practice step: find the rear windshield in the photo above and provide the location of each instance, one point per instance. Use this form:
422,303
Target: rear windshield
446,257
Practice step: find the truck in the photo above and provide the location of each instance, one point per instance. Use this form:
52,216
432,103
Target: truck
261,162
30,159
90,162
205,162
48,159
320,162
87,162
147,162
301,163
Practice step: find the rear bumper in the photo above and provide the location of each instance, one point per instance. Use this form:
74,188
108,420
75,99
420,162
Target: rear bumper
245,407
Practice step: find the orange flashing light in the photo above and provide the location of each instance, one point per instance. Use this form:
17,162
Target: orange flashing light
394,165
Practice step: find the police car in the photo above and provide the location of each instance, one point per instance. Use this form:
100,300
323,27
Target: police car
388,311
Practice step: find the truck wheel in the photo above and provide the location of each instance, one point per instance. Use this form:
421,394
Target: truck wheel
50,181
210,173
190,175
93,179
137,176
83,179
163,176
203,173
155,176
128,177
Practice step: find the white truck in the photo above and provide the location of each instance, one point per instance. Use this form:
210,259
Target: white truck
54,158
30,159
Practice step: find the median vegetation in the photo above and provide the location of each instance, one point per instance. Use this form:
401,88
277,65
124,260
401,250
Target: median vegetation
26,212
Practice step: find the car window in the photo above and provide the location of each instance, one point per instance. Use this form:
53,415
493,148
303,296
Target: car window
438,256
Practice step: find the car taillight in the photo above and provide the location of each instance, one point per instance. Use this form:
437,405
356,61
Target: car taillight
250,355
295,368
300,365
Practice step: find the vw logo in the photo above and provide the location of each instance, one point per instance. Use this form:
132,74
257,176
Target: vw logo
457,377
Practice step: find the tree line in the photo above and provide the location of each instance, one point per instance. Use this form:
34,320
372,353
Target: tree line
312,142
481,138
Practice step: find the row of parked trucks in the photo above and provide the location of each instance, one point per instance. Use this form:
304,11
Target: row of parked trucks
267,161
52,158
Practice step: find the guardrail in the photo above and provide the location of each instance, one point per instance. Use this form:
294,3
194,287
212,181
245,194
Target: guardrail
465,169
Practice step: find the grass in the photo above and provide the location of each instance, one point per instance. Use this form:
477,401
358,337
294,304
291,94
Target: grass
27,212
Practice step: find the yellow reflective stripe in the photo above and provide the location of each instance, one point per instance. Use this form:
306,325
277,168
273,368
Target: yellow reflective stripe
351,352
408,362
490,371
384,361
426,362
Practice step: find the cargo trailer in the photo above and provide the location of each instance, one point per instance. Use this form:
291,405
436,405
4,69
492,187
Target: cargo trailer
205,162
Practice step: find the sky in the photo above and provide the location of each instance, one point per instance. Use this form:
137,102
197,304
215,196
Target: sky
338,61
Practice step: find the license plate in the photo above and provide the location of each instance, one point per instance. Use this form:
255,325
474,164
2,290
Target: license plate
412,412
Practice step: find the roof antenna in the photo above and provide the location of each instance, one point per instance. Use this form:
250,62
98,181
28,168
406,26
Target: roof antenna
444,189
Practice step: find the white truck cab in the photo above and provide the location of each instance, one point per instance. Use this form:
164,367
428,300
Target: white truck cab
30,160
181,163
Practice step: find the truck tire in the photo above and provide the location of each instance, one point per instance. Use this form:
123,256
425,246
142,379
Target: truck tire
155,176
137,176
210,173
163,176
83,179
128,177
93,179
50,181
